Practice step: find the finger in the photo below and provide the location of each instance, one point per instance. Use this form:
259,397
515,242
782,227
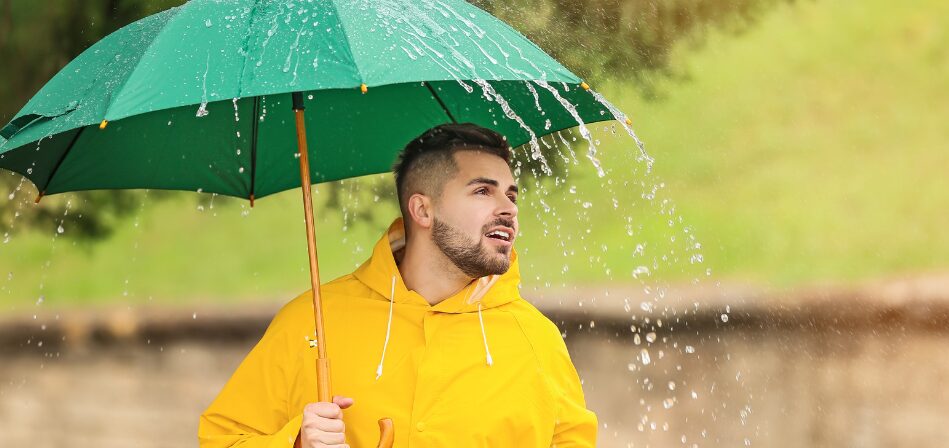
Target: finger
323,409
343,402
327,439
334,425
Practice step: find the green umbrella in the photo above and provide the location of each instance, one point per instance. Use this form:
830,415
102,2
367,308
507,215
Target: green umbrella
209,97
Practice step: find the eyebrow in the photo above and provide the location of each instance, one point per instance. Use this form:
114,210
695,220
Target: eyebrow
492,182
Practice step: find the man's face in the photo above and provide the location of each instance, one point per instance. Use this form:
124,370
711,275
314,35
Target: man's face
475,218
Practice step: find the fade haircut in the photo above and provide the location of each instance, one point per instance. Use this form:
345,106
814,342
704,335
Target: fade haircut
428,161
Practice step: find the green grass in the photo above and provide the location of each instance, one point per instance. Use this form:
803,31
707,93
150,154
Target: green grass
811,148
814,147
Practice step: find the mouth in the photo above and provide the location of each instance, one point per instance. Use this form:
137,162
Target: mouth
503,236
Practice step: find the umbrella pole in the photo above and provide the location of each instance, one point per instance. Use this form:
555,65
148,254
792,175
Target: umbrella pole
324,391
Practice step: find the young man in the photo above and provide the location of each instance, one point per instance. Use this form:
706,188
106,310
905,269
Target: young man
430,331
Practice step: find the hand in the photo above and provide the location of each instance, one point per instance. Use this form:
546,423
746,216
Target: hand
323,424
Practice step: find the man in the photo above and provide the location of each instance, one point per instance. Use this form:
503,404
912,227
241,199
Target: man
430,331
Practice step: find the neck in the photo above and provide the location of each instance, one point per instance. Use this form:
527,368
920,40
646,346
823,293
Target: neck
427,271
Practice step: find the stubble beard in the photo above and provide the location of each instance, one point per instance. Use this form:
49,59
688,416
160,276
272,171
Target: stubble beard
470,257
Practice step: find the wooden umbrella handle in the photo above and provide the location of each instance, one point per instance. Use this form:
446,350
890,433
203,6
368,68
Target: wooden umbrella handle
386,433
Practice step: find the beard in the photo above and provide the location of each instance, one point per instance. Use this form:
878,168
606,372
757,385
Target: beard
469,256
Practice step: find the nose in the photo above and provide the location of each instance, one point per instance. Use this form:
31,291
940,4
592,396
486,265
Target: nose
506,207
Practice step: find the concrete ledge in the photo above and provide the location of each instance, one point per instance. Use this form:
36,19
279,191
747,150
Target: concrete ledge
917,302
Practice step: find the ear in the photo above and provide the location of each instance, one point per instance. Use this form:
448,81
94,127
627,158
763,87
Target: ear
420,210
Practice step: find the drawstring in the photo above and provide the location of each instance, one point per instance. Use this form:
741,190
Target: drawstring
388,329
484,336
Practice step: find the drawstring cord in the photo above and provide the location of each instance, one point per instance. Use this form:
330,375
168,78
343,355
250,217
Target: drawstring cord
484,336
388,330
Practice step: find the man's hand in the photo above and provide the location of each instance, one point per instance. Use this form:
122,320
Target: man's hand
323,424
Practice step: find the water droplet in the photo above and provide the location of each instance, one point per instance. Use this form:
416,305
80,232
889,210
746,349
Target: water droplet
207,23
650,337
644,357
668,403
724,318
689,349
672,385
640,271
60,229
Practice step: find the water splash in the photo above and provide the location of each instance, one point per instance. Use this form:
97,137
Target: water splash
203,108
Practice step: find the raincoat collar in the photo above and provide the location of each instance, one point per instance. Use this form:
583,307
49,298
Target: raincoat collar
490,291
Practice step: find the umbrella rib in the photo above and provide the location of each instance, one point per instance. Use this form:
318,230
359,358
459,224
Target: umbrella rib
61,158
120,90
253,146
440,102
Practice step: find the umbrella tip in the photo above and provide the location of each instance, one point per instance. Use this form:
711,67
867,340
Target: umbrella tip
103,124
38,197
251,201
585,85
629,122
363,88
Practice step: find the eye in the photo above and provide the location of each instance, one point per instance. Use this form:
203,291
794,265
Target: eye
512,198
482,190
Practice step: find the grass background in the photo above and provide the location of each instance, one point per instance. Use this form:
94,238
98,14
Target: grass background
812,148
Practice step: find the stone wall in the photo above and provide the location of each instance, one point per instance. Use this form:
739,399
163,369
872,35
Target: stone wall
819,368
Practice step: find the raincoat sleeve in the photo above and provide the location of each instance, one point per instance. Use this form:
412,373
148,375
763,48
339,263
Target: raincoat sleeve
252,408
576,425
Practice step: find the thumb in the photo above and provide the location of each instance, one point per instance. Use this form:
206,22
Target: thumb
343,402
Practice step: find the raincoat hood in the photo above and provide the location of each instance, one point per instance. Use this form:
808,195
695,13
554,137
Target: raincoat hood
382,274
490,292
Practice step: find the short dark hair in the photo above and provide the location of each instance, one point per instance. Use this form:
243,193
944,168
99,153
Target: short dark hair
427,162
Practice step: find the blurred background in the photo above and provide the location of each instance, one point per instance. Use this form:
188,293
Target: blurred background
779,278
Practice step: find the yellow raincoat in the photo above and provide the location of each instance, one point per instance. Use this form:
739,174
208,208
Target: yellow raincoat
483,368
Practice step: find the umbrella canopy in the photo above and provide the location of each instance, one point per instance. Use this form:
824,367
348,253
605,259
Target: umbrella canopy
198,97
